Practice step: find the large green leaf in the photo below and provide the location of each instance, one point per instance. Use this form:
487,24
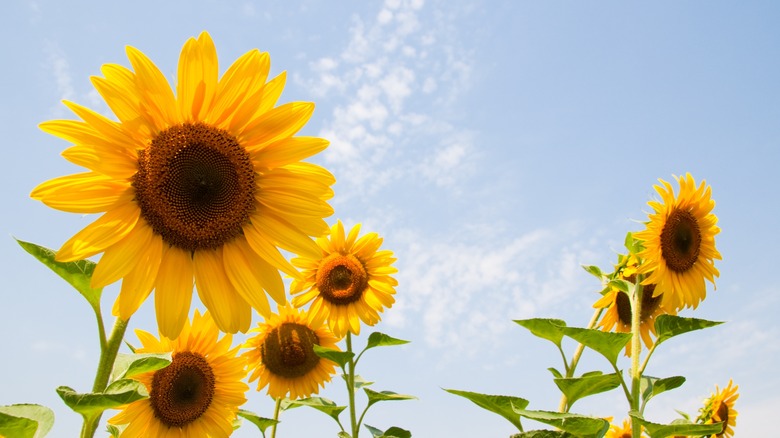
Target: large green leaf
340,357
502,405
261,422
377,339
119,393
545,328
543,434
578,425
576,388
652,386
683,429
128,365
25,421
78,274
607,343
319,403
374,396
393,432
669,326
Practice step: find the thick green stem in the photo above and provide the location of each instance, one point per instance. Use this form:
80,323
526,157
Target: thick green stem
106,364
562,407
636,350
351,389
277,408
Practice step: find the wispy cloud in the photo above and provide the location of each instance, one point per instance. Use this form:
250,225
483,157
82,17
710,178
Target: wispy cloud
389,87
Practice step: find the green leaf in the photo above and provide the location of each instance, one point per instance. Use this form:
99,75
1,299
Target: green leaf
557,374
578,425
78,274
260,422
113,430
374,397
685,429
343,435
593,270
393,432
576,388
340,357
668,326
621,285
652,386
543,434
377,339
502,405
25,421
128,365
359,381
119,393
607,343
319,403
545,328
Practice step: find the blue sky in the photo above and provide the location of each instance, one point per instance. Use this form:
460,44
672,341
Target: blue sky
497,146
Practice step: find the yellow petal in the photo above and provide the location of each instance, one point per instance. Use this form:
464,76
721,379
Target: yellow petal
243,79
286,235
107,230
230,312
120,258
173,291
276,124
271,92
292,202
157,96
108,129
118,166
139,282
267,251
240,266
87,192
289,150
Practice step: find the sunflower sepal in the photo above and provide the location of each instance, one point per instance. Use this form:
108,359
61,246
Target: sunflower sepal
262,423
25,420
392,432
593,270
128,365
118,393
655,430
669,326
113,431
582,426
576,388
503,405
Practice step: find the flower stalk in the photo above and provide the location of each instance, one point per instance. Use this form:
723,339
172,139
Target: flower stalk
636,350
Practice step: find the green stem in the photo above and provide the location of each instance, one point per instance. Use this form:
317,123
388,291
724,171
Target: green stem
562,407
351,389
277,408
106,364
636,350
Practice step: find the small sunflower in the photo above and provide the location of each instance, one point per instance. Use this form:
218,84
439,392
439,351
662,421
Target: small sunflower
720,408
282,355
348,282
197,395
201,185
616,431
679,243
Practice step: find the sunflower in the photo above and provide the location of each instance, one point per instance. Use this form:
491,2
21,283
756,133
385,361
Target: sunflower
618,305
720,408
197,395
282,355
616,431
204,184
347,282
679,243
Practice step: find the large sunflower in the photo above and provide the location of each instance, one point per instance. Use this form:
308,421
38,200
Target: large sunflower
282,357
720,408
203,185
679,243
347,282
197,395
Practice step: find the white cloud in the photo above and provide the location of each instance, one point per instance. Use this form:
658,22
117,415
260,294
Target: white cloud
386,88
57,64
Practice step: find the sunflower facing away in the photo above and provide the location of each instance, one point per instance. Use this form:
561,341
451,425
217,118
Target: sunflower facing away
679,243
202,184
197,395
720,408
282,357
347,282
